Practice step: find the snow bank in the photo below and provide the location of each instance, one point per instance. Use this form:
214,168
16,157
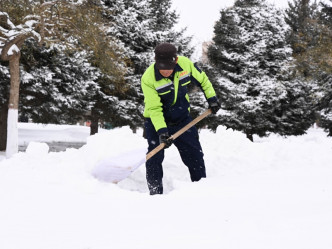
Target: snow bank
274,193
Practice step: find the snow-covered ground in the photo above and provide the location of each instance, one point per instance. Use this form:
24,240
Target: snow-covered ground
58,137
275,193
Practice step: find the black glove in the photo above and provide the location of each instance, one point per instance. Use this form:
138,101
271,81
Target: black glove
165,138
214,106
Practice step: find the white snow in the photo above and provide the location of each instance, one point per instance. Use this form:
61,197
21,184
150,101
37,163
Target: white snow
13,49
36,148
31,23
52,133
275,193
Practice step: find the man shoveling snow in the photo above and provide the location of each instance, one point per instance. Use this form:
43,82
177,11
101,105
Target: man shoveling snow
167,106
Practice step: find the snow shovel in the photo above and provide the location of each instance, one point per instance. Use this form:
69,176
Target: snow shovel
178,133
115,169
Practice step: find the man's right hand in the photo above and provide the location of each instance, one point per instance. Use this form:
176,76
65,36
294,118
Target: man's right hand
165,138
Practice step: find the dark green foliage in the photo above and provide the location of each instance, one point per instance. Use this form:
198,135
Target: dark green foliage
301,16
4,82
325,105
326,13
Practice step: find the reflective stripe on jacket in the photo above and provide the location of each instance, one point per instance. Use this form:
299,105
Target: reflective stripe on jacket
167,101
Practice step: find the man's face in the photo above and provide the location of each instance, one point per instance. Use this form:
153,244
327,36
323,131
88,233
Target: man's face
166,73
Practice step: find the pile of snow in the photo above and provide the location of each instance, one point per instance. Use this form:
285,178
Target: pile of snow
29,132
274,193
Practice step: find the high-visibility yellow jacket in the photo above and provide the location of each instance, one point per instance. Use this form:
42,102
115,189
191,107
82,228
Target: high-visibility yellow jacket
167,101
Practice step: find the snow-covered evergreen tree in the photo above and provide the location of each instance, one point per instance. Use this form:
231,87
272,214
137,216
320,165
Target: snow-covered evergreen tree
253,59
311,39
304,35
164,19
56,86
105,53
325,104
326,12
300,16
325,81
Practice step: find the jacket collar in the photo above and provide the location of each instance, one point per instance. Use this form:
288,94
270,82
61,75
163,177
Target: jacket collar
160,77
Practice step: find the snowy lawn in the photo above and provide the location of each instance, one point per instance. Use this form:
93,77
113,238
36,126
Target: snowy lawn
275,193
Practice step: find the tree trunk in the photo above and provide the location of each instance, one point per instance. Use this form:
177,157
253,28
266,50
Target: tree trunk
3,126
12,129
250,137
94,124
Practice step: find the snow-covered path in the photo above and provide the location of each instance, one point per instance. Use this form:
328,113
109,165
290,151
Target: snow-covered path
275,193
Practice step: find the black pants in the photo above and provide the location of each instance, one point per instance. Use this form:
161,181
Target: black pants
188,146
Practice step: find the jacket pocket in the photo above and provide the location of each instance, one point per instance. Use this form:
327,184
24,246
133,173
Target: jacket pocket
165,93
185,80
162,90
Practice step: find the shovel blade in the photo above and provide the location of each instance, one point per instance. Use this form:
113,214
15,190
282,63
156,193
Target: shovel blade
116,168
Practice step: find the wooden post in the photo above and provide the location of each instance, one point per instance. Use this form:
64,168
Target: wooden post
3,126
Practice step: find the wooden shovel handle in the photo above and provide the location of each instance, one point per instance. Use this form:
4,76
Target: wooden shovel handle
179,133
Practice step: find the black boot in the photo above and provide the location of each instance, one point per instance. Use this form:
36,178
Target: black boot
156,189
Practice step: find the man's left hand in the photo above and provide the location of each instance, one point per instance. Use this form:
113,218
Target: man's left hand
214,106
